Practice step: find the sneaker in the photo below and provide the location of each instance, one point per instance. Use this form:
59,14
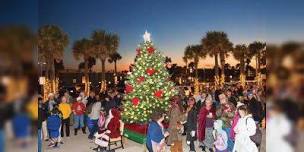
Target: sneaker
203,148
61,142
51,145
96,149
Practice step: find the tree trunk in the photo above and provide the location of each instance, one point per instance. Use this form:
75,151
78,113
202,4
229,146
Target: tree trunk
242,72
53,76
196,67
242,66
222,58
115,67
86,75
103,74
186,67
216,75
258,63
258,71
216,65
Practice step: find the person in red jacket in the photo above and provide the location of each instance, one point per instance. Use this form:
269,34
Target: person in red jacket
206,117
78,109
113,123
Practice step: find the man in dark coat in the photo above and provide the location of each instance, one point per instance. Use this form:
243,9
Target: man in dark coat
255,107
191,124
110,101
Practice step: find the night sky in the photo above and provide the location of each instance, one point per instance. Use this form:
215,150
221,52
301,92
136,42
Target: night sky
173,23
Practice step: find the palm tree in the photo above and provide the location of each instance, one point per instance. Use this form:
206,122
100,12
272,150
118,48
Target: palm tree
217,44
114,58
186,58
82,49
16,43
104,44
91,63
240,52
255,49
51,43
195,52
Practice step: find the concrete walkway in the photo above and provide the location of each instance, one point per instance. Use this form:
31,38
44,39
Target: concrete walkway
81,143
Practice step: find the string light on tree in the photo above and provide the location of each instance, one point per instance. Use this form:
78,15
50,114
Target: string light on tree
148,87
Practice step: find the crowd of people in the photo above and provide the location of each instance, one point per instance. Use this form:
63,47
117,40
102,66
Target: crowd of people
98,114
231,118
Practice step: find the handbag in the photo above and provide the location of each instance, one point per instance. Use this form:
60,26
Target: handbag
257,137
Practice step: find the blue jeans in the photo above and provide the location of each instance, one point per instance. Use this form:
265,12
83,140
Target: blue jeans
78,121
39,140
230,141
92,126
149,148
2,144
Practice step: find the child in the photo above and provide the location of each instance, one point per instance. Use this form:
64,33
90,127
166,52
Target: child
101,139
220,136
78,109
53,125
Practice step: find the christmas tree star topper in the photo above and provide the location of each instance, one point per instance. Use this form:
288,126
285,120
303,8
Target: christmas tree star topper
147,36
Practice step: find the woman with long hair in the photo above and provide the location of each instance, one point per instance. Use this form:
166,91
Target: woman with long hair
245,128
175,120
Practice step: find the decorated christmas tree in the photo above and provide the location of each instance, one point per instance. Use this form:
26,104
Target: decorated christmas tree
148,87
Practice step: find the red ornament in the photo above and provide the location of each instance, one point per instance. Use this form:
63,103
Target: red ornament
138,51
150,71
128,88
140,79
158,93
135,101
150,50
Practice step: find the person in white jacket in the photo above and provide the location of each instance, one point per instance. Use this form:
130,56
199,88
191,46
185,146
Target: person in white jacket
278,128
94,115
245,128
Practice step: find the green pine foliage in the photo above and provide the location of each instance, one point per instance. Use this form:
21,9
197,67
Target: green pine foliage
148,87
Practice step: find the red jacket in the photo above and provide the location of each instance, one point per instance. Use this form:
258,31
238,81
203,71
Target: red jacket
114,124
78,108
202,122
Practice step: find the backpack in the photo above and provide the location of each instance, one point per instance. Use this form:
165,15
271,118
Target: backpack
257,137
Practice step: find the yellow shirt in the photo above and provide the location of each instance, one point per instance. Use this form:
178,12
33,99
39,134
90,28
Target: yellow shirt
32,109
66,110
